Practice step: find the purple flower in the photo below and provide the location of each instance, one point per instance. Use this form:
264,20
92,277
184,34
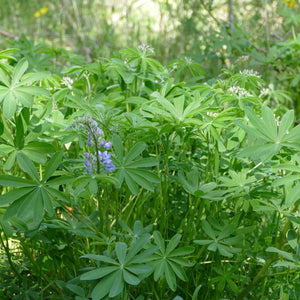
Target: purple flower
100,159
88,170
88,163
107,145
109,167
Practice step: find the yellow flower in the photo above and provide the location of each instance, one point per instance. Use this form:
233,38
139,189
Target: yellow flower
37,14
43,10
292,3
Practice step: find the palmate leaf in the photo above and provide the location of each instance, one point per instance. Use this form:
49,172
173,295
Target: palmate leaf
27,166
126,268
17,90
273,136
9,105
99,273
130,167
33,198
14,195
52,165
168,261
220,239
19,71
103,287
12,181
4,79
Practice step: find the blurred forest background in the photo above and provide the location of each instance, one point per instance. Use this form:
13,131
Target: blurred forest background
216,34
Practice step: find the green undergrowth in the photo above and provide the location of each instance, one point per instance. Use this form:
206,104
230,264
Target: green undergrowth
127,179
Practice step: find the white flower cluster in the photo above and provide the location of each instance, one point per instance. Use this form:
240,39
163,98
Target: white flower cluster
67,81
212,114
161,79
239,91
264,91
188,60
146,48
250,73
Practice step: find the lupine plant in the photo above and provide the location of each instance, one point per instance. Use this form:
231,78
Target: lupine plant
125,179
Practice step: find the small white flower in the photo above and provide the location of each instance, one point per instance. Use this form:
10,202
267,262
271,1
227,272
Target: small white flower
67,81
146,48
239,91
264,91
247,72
188,60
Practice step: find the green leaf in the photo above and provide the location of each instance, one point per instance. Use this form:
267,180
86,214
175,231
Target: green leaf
4,78
12,181
260,152
106,178
100,258
23,98
293,195
130,278
118,284
286,179
28,208
142,256
19,140
142,163
202,242
121,250
292,238
10,160
284,254
136,247
99,273
60,180
9,105
47,202
41,147
131,184
76,289
285,124
137,149
14,195
196,292
173,243
294,135
170,277
118,146
27,166
139,269
140,180
224,250
257,123
20,69
178,270
102,288
147,175
208,229
159,241
182,251
270,122
159,269
52,165
32,77
38,208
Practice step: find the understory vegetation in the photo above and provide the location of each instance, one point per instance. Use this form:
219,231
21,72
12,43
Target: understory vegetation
127,178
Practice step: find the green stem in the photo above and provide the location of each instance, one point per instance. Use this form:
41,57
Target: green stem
6,249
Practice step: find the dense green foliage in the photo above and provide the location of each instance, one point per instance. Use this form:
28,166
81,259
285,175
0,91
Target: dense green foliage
124,178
